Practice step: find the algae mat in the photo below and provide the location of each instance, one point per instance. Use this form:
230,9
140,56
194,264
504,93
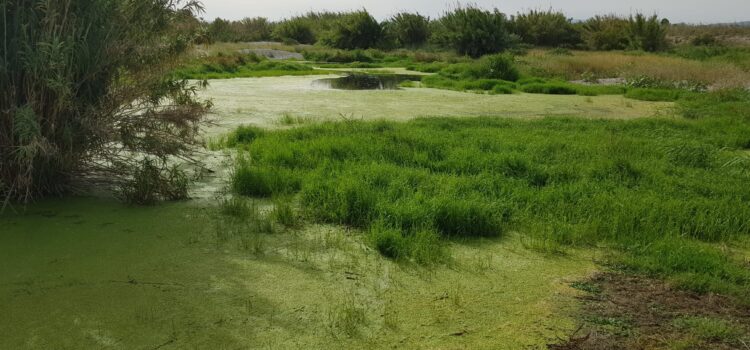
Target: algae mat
91,273
261,101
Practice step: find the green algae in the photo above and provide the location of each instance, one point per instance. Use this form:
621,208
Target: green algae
91,273
263,101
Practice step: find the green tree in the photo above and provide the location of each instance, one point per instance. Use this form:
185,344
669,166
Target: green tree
648,33
296,29
253,29
408,29
220,30
86,97
356,30
473,31
608,32
546,28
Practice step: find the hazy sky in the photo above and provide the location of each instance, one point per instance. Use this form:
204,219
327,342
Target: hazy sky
693,11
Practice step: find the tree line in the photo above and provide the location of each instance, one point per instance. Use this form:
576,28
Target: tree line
468,30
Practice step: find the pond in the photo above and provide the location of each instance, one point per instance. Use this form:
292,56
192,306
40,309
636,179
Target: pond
366,81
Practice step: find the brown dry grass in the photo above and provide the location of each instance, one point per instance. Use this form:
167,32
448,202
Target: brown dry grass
626,312
617,64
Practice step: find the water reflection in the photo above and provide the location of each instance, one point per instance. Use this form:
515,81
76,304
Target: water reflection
366,81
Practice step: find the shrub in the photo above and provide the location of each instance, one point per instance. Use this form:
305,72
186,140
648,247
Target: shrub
244,134
500,67
704,39
473,31
667,95
549,88
616,33
296,29
647,33
502,90
546,28
606,33
408,29
356,30
152,182
86,95
255,29
220,30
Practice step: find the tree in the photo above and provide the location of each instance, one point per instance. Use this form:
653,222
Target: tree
86,98
409,29
253,29
606,33
295,29
648,34
473,31
221,30
545,28
356,30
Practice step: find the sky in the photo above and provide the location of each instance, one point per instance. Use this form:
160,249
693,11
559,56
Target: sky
688,11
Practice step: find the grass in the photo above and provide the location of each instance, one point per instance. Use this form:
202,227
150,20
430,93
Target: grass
647,187
647,94
709,329
474,76
237,66
725,74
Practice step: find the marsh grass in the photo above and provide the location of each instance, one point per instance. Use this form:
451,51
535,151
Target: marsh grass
242,66
246,219
288,119
618,64
650,188
286,214
347,318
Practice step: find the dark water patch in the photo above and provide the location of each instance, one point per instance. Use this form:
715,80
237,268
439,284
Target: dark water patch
367,81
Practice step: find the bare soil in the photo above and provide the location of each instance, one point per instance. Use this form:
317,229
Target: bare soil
623,311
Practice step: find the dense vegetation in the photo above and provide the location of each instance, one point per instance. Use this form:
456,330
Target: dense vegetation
84,90
658,190
465,29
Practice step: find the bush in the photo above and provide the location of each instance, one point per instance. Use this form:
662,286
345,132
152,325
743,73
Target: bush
646,94
500,67
152,182
86,95
552,88
545,28
647,33
244,134
357,30
616,33
296,29
473,31
408,29
606,33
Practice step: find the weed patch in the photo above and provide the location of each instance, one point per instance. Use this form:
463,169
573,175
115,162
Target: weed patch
649,187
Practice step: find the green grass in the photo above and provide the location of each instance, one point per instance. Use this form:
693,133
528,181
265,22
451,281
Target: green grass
245,69
649,187
710,329
665,95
